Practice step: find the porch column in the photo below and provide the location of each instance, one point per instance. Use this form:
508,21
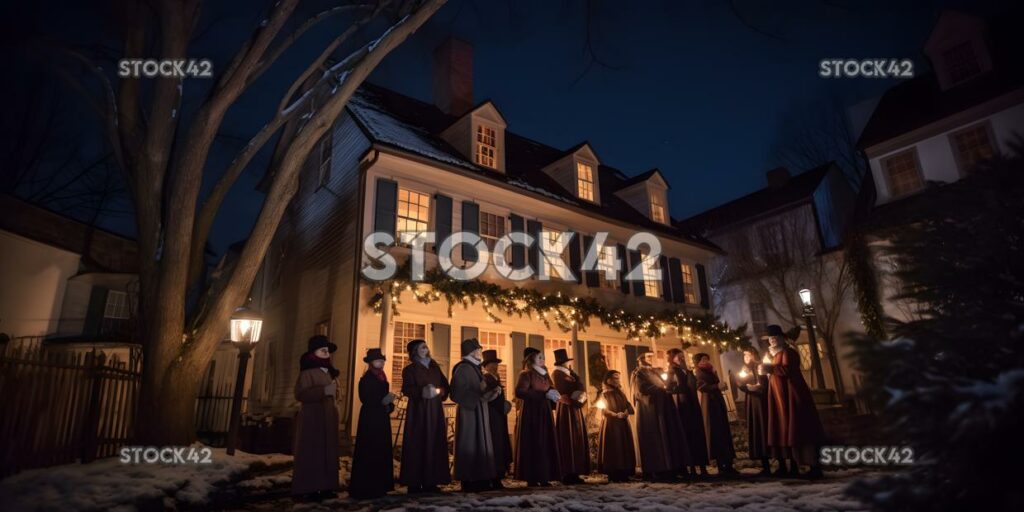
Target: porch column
385,322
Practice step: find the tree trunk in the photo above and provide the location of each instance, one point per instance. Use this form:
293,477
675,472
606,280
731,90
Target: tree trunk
167,414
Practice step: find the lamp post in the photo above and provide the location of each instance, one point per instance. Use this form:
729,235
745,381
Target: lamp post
245,333
819,377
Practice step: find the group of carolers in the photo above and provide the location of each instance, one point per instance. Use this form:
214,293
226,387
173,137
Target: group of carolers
678,433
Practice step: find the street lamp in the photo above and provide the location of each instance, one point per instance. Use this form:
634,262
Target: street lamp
246,325
819,377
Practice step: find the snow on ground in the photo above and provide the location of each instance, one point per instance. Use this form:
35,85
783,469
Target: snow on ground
109,484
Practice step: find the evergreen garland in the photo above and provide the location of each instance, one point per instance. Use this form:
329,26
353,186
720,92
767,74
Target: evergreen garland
865,285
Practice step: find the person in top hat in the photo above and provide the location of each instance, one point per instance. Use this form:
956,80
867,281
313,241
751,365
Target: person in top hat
372,466
316,432
570,426
794,428
616,456
663,449
474,449
536,454
425,436
716,415
498,410
682,386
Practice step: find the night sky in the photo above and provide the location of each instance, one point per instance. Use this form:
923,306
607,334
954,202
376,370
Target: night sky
698,89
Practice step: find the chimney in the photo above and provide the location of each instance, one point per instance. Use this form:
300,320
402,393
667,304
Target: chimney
453,76
777,177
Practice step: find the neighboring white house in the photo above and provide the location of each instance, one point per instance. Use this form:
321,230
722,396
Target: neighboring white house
396,164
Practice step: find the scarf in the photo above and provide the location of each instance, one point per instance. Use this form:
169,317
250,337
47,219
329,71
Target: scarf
563,370
378,372
310,360
540,369
425,361
706,365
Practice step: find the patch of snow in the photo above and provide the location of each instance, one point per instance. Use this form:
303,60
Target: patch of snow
387,32
538,190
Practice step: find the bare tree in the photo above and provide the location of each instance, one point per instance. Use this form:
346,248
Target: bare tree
164,159
817,132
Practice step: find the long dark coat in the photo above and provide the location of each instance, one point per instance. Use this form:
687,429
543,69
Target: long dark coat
615,453
474,450
794,428
499,427
570,426
373,472
682,385
316,435
661,438
716,417
756,413
536,455
425,439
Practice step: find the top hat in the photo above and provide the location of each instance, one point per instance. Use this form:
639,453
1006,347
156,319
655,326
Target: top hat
561,356
469,345
412,345
374,354
698,357
773,330
491,356
320,341
529,351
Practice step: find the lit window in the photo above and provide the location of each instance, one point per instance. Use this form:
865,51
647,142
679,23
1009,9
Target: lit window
116,306
492,227
585,181
404,333
961,63
657,208
606,267
486,146
413,211
322,328
972,146
615,359
689,291
652,282
903,173
498,341
552,269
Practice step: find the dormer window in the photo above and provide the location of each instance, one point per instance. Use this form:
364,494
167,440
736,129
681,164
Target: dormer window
486,146
585,181
961,62
658,209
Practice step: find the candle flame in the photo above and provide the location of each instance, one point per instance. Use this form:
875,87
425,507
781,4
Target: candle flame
602,404
767,359
664,376
744,373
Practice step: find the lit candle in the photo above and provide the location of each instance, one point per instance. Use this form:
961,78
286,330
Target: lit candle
767,359
743,373
664,376
601,403
437,391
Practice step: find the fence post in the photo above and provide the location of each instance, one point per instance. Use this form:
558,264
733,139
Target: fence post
90,427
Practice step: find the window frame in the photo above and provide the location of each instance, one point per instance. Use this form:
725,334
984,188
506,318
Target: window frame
658,205
884,162
611,251
545,230
399,356
650,264
686,272
986,127
117,305
970,56
592,182
399,217
479,134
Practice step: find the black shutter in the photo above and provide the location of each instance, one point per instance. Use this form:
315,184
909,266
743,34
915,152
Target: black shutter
386,207
470,224
441,350
534,229
592,278
676,273
518,250
623,268
536,341
594,375
631,354
666,281
702,281
518,345
442,219
575,261
94,313
634,262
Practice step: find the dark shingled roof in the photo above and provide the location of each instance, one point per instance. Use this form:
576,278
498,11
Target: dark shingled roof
410,125
797,189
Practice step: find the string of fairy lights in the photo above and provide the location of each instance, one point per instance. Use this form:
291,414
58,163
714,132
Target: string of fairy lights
563,310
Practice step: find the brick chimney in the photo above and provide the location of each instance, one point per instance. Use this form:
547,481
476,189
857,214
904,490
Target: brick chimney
777,177
453,76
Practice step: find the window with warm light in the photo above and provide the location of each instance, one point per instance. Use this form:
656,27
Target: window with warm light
606,264
413,211
552,344
552,237
486,146
972,145
585,181
689,290
903,173
404,333
492,227
490,340
652,282
658,208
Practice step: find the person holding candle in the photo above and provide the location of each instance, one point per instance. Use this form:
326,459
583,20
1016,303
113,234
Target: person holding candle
316,433
663,446
716,415
682,386
474,449
754,383
536,454
498,410
570,426
794,428
616,456
372,464
425,436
